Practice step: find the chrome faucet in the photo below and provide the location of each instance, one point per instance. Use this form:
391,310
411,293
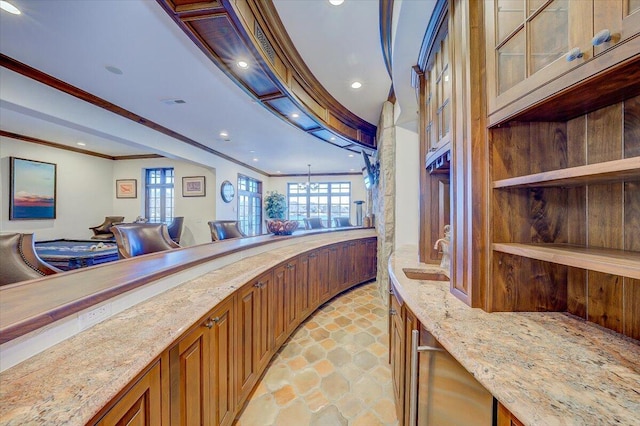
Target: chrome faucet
445,244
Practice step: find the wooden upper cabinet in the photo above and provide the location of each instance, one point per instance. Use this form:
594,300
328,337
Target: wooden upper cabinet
526,37
530,43
438,108
140,406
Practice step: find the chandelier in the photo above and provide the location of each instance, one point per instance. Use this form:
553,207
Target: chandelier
304,186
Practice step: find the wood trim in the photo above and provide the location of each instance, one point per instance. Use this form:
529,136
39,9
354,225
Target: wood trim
85,288
74,149
436,29
386,17
53,144
41,77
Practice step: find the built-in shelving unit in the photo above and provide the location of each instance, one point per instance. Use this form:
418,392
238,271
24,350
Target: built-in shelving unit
608,261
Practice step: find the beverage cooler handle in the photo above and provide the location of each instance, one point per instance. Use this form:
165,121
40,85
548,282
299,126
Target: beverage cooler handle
413,402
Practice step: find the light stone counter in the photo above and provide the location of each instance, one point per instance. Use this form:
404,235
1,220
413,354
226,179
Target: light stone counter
546,368
70,382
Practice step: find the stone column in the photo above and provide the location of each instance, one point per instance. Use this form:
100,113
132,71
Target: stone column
383,196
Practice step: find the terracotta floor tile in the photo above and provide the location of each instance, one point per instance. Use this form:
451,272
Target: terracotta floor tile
324,367
284,395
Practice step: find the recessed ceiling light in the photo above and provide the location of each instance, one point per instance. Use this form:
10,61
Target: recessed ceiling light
224,134
114,70
356,85
351,155
243,64
252,151
336,2
332,138
8,7
81,143
255,159
295,115
351,170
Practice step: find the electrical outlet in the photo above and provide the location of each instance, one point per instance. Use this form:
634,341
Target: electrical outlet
94,316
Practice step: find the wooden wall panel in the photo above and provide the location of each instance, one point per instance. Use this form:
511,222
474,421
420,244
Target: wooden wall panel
548,146
577,292
605,300
632,127
510,218
576,223
548,215
604,133
631,308
522,284
510,153
632,216
577,141
605,215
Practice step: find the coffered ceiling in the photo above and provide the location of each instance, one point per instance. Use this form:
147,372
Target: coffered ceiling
171,86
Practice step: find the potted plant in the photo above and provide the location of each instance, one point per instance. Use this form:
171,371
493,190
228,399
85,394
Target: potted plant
275,206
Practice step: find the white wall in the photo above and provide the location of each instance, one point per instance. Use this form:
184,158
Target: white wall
407,187
358,191
84,196
197,211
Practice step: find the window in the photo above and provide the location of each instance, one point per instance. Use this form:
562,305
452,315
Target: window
159,195
328,200
249,205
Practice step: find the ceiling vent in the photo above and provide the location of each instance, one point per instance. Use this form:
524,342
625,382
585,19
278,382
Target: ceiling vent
264,43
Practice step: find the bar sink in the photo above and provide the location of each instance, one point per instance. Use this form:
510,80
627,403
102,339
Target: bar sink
425,275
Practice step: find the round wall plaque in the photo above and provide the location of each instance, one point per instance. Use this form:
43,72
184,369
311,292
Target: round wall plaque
227,191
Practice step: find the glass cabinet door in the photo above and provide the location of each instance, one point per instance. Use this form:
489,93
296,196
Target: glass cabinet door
530,40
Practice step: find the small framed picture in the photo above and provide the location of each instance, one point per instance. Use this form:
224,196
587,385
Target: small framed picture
126,188
193,186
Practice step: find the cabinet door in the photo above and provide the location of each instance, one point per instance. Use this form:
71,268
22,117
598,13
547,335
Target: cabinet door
347,265
303,301
248,312
396,355
526,37
290,291
262,328
334,270
621,18
140,406
505,418
324,280
189,364
314,280
221,363
372,258
277,303
410,324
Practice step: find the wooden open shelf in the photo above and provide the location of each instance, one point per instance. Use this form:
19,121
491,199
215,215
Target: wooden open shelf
609,261
606,172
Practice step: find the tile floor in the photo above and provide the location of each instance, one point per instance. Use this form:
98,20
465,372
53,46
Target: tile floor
332,371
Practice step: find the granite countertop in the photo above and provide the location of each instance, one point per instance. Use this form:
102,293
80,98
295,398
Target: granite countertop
70,382
546,368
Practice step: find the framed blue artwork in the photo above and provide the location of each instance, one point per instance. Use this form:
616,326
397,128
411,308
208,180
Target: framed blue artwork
33,190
